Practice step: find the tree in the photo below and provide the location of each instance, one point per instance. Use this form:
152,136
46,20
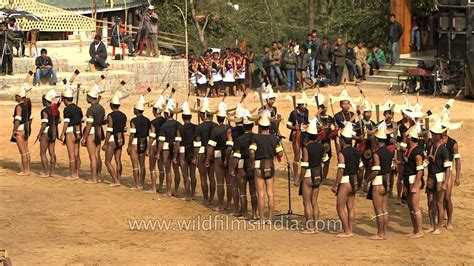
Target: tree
310,15
201,29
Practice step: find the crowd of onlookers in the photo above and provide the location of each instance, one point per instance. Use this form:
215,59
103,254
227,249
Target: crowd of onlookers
294,63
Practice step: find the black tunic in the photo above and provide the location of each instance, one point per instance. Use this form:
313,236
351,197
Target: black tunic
97,112
25,113
169,129
298,118
219,135
351,160
203,132
142,126
385,158
119,122
410,165
187,131
266,146
450,146
403,129
74,114
52,120
157,123
315,154
437,156
341,118
242,144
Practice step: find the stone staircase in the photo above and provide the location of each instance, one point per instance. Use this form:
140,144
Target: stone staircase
390,73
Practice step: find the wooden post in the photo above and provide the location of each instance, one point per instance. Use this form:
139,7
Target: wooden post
402,11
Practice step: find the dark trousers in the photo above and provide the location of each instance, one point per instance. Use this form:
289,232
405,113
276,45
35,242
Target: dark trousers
336,75
7,64
98,62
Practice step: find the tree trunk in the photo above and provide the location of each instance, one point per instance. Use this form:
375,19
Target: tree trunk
201,30
310,15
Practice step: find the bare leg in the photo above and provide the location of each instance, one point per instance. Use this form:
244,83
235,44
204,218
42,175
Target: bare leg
260,185
141,161
109,154
212,182
192,174
52,156
152,166
203,176
377,201
91,149
307,205
167,163
439,198
44,157
135,167
185,172
343,195
71,150
449,203
220,176
271,198
177,177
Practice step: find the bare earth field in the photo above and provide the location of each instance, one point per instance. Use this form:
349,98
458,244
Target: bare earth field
53,221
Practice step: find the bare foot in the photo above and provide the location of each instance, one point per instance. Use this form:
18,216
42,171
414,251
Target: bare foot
114,185
43,175
308,232
429,230
417,235
436,232
151,191
450,227
71,178
376,237
23,173
344,235
218,209
91,182
236,214
134,188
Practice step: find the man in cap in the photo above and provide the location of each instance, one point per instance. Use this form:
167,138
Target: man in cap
72,132
438,177
48,132
94,133
218,143
187,160
413,179
167,140
115,139
345,186
152,147
138,144
201,139
310,178
263,150
378,179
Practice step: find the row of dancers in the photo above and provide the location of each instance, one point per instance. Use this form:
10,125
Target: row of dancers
232,160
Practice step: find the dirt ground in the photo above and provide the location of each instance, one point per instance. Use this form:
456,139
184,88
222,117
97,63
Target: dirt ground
53,221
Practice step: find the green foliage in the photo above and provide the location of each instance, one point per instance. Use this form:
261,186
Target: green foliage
262,21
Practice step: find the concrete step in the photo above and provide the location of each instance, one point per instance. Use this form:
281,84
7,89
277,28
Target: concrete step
390,72
84,78
383,79
379,84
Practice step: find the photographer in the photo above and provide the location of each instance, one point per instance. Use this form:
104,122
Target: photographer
119,34
150,25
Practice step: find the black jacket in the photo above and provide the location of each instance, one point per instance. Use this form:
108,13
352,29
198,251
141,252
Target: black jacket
43,62
101,50
395,31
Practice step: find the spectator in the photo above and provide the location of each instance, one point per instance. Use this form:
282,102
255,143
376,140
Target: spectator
119,34
19,42
350,61
302,65
322,77
98,53
44,69
290,63
325,55
339,61
311,52
395,33
151,22
6,39
317,46
361,54
275,70
376,58
415,36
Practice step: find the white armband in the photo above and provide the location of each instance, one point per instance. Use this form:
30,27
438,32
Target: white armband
197,144
133,130
253,147
44,120
361,164
419,167
161,138
212,143
229,143
90,120
178,139
403,145
153,134
67,120
447,164
279,149
18,117
304,164
457,156
325,158
376,168
109,129
341,166
237,155
289,124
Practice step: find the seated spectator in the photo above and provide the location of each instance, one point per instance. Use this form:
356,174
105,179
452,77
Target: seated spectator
376,58
350,61
361,54
322,75
119,35
415,37
98,53
44,69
